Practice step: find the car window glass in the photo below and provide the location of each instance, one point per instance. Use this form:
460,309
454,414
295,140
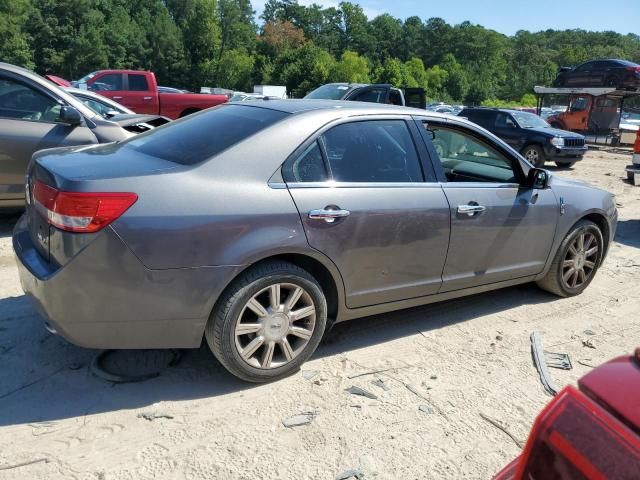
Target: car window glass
371,95
579,104
194,139
465,158
19,101
108,82
138,83
395,98
96,106
585,68
372,151
504,120
307,167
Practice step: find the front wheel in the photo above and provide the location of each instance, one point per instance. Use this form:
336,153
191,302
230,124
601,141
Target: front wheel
268,322
534,154
576,262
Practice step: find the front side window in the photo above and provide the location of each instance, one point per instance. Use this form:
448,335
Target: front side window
138,83
21,102
465,158
108,82
579,104
372,151
504,120
371,95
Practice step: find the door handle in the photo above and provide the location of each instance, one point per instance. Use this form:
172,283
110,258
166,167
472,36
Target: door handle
470,210
329,215
117,98
147,98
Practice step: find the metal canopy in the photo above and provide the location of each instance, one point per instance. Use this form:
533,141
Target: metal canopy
593,91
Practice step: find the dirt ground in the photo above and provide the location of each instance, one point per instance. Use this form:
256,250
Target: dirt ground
446,366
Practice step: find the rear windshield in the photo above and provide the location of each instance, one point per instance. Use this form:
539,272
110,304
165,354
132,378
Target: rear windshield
204,135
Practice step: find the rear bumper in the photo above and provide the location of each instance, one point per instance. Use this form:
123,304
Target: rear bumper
106,298
566,154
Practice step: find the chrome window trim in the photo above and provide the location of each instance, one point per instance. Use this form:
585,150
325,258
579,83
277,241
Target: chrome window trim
358,185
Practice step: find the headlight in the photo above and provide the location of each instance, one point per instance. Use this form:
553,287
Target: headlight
557,142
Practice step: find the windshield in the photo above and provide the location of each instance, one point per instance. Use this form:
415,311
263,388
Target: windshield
88,77
529,120
329,92
204,135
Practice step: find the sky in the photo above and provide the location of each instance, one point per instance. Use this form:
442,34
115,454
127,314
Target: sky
509,16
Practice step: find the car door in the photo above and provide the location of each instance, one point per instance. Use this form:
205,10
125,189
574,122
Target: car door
508,130
29,122
110,85
138,95
369,204
581,76
500,229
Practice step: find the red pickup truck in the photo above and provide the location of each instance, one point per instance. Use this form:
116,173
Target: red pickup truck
138,90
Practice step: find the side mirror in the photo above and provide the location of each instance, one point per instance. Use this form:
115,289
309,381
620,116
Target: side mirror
111,113
70,116
538,178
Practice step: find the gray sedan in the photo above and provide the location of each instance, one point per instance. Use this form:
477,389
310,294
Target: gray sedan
259,225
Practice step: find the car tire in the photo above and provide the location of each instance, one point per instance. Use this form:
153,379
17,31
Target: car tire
560,279
565,164
535,155
244,341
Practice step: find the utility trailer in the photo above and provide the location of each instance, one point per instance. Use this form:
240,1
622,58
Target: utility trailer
593,111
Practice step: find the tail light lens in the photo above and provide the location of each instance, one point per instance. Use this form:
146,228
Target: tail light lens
82,212
574,438
633,69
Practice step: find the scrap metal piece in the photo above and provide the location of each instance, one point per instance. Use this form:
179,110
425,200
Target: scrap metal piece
558,360
538,359
304,418
361,392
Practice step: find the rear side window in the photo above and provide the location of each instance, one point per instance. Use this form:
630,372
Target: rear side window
372,151
202,136
138,83
308,167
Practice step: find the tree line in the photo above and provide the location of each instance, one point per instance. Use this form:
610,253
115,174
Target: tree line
194,43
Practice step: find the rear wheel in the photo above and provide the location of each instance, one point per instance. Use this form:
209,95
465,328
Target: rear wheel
565,164
268,322
576,261
534,154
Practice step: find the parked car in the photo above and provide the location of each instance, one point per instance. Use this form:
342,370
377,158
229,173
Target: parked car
36,114
301,216
600,73
531,135
138,90
371,93
245,97
592,432
588,113
171,90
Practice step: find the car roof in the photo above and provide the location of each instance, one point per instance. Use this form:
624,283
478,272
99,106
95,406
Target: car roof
294,106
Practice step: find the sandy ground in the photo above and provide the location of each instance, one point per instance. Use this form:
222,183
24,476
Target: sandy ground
450,363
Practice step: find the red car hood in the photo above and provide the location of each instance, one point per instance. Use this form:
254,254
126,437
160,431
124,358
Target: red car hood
58,80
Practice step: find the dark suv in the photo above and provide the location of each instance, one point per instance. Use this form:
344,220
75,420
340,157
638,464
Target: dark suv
600,73
530,135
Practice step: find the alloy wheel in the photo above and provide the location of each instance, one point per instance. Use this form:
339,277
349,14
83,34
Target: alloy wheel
275,325
580,260
532,155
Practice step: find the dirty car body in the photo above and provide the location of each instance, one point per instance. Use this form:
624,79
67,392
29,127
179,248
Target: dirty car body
346,206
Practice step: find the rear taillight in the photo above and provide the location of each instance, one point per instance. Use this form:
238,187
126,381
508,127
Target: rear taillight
83,212
574,438
633,69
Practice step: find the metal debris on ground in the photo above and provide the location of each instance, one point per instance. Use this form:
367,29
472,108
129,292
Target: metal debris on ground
355,473
500,426
538,359
151,416
380,383
304,418
24,464
558,360
99,370
426,409
588,343
361,392
309,374
587,363
589,332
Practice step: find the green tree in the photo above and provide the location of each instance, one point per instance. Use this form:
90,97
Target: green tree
350,68
14,40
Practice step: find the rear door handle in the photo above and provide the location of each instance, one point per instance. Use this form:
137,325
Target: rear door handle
470,210
329,215
147,98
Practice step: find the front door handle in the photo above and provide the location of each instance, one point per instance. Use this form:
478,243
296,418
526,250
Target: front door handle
470,210
117,98
147,98
328,214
